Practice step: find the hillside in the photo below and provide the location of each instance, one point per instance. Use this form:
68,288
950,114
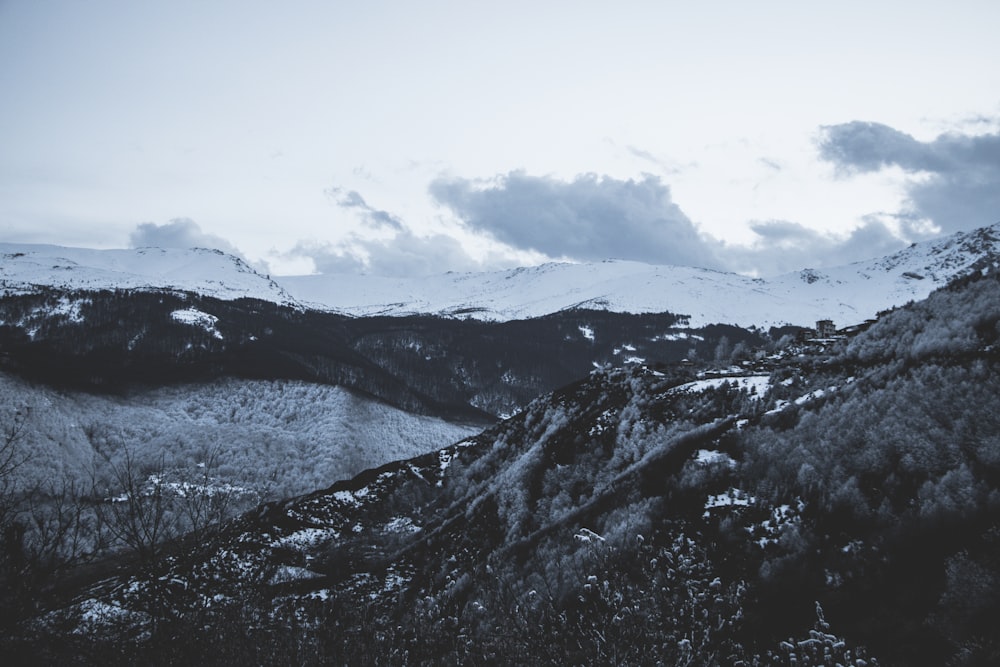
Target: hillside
273,437
466,370
834,503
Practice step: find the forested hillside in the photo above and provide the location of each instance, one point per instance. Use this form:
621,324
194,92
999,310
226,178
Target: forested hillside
836,502
466,370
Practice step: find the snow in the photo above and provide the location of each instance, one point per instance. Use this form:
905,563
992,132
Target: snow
846,294
680,335
352,498
731,498
813,395
587,332
287,573
769,530
709,456
306,538
755,385
401,524
289,436
70,309
95,614
779,405
586,535
26,267
197,318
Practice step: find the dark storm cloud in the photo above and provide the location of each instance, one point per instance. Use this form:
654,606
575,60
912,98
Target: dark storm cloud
588,218
352,200
178,233
960,188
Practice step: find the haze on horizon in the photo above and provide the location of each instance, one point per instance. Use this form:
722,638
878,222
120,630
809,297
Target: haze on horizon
403,139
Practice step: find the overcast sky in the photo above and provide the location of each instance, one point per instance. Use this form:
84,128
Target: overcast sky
405,138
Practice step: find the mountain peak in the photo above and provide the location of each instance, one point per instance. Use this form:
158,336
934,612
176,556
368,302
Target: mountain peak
206,271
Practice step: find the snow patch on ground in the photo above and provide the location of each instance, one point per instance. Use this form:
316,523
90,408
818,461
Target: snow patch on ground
70,309
708,457
197,318
814,395
755,385
95,614
352,498
680,335
307,538
402,524
731,498
286,573
769,531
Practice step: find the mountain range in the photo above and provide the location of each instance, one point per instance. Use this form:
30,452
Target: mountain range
620,476
846,294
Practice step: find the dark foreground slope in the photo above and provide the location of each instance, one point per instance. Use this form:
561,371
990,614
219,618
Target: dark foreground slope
838,502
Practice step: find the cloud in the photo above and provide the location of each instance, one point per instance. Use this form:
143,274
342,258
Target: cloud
773,165
784,246
405,254
646,156
178,233
395,250
373,217
588,218
955,179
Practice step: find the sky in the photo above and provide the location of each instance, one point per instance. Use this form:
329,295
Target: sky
404,138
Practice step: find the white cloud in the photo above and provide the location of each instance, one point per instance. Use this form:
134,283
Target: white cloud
178,233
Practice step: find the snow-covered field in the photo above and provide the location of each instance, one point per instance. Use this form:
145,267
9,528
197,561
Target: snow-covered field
755,385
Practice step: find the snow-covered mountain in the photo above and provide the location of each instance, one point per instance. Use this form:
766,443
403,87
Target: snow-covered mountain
26,267
846,294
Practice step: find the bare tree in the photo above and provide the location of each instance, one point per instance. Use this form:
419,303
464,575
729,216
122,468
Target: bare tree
11,458
204,501
136,511
147,505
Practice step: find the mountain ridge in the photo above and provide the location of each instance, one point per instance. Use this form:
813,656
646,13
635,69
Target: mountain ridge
847,294
25,268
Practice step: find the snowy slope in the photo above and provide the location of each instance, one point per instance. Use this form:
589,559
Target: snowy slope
25,267
847,294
